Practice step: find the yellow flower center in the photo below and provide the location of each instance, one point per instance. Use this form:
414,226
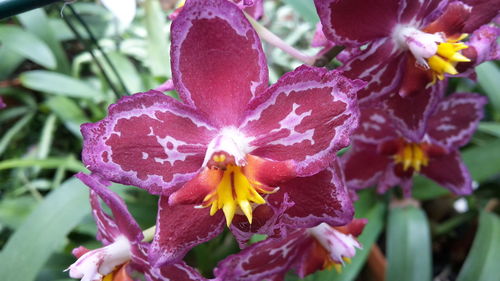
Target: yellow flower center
234,190
447,56
412,155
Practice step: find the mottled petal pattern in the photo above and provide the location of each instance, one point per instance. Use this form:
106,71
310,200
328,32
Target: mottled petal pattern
264,259
319,198
176,272
450,172
122,222
149,140
380,65
410,114
355,22
306,117
455,120
374,127
217,60
358,173
179,228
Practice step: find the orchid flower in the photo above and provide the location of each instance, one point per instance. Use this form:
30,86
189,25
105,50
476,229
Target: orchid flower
408,48
394,159
124,249
233,140
304,250
2,104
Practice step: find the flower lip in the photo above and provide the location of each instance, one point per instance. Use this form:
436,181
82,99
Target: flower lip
229,147
421,44
340,246
96,264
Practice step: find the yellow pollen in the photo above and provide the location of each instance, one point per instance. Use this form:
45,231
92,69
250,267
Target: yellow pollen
234,190
109,277
447,56
219,158
412,156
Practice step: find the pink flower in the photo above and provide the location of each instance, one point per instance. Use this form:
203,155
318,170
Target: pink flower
233,141
304,250
394,159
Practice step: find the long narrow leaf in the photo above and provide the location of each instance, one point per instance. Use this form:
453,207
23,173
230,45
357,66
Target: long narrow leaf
408,245
27,45
482,262
44,231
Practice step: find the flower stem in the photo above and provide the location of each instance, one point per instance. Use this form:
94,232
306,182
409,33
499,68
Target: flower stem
149,234
274,40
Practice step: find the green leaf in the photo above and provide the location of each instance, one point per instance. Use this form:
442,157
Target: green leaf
482,262
27,45
492,128
13,131
69,113
158,49
44,231
14,210
375,216
10,62
408,245
487,76
37,22
48,163
474,158
59,84
305,8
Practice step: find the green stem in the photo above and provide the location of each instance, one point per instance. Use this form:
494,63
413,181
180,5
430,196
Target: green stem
149,234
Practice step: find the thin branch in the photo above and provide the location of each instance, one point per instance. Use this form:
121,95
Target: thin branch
96,44
89,49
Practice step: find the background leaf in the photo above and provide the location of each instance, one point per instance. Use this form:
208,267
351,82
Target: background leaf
27,45
58,84
44,231
408,245
482,262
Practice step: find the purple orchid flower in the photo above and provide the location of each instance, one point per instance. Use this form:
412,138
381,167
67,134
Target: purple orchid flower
123,249
2,104
381,155
304,250
410,47
233,141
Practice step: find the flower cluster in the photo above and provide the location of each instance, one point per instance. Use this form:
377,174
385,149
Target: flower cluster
234,152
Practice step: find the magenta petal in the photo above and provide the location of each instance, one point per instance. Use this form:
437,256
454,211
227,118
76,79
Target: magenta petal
455,120
483,12
364,166
355,22
483,45
319,198
263,260
123,222
306,117
149,140
179,228
256,10
374,127
217,60
176,272
450,172
381,65
410,114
